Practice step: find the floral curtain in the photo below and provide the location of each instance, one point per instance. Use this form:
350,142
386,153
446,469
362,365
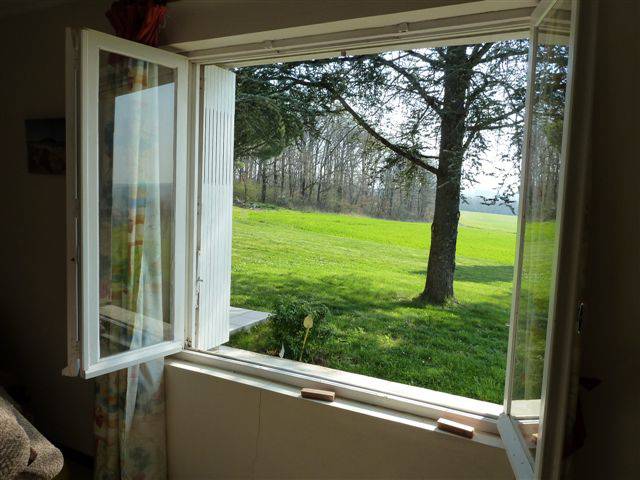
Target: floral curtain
129,410
130,424
129,420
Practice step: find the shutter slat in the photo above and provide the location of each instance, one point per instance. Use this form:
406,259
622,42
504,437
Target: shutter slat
216,197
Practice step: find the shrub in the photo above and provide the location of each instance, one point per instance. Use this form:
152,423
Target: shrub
287,328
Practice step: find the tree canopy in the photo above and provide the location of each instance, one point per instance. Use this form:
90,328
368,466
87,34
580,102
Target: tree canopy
429,111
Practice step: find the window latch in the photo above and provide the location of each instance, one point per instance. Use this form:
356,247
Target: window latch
198,283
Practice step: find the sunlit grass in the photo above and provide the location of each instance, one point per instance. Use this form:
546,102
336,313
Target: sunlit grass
368,271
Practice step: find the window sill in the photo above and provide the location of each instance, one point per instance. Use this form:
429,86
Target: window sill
243,319
384,399
197,362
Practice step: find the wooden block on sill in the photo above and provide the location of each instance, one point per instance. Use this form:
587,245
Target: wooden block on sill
316,394
455,428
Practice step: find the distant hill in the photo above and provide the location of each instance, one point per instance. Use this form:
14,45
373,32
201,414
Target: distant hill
474,204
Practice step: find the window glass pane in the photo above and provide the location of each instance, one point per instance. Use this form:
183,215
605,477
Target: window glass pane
136,190
541,213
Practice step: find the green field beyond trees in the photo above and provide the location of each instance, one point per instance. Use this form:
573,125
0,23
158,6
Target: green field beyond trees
368,271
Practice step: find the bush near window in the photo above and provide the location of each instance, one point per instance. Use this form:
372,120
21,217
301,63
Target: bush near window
286,327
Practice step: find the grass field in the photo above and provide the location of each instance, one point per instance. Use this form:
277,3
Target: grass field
368,271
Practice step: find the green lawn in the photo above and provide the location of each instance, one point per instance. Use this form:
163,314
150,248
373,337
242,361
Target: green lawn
367,271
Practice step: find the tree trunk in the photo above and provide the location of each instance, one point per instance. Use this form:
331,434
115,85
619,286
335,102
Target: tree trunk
275,180
444,237
319,192
244,181
290,172
263,176
282,172
444,229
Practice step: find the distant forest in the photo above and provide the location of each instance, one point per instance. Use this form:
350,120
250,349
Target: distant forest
340,168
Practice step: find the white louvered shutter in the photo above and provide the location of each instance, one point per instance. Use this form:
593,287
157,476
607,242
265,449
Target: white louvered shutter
213,280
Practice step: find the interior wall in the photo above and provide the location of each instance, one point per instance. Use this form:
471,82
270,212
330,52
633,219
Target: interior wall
219,428
610,341
33,242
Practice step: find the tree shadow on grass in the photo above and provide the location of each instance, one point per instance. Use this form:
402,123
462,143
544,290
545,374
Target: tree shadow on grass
348,294
479,273
378,333
341,293
380,318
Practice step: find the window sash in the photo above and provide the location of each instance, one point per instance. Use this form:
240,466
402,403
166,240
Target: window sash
524,464
83,48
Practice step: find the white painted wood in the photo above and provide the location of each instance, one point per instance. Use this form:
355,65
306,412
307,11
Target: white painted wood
288,370
428,404
541,10
520,235
213,281
91,43
523,462
359,406
559,380
133,357
181,251
72,65
517,453
193,190
498,24
89,211
454,11
559,338
242,319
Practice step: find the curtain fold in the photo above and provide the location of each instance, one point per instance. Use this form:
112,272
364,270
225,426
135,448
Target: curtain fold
130,407
130,424
129,417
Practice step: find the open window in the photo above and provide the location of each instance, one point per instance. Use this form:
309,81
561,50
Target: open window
150,140
543,177
149,250
127,202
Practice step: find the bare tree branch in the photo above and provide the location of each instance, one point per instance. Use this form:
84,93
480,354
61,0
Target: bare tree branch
492,123
479,51
415,158
430,100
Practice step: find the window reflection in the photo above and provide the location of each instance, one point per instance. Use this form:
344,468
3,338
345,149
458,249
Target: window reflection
136,168
541,216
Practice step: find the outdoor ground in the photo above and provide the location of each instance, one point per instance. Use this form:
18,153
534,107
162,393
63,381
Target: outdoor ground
368,271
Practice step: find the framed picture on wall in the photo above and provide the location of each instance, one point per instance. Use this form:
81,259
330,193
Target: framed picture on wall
45,145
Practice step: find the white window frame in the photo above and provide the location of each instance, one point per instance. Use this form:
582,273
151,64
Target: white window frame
477,27
430,404
83,47
523,463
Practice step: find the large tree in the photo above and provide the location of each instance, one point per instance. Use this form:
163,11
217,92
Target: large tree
430,109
